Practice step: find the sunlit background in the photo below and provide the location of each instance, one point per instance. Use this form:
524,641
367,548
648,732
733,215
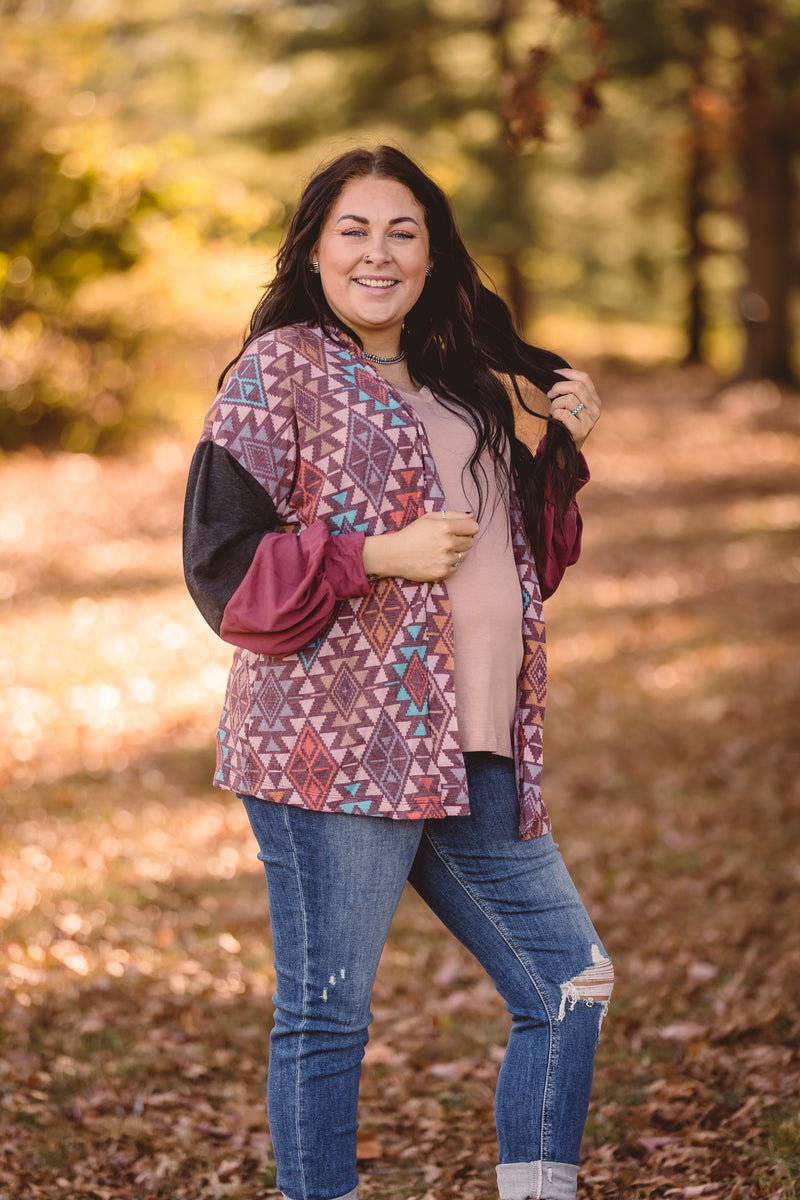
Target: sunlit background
627,178
628,184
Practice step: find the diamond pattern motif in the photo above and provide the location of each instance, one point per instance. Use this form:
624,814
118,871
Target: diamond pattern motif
272,703
307,491
387,759
381,615
345,690
311,768
415,682
369,456
534,675
258,457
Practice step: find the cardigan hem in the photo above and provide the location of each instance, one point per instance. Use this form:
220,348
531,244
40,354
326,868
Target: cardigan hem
232,782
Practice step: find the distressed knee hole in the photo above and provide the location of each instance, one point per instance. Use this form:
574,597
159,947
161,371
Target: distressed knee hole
593,986
332,981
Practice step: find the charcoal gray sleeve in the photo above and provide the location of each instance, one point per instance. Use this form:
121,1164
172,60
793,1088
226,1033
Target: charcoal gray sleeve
226,515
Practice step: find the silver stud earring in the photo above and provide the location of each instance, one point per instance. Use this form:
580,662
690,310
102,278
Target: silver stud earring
315,266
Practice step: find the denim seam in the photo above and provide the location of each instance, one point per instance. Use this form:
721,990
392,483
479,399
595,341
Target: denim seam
302,1027
521,957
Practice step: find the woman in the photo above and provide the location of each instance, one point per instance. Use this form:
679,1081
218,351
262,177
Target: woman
364,526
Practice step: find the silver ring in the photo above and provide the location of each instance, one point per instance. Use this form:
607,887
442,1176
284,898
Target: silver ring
444,514
457,563
575,411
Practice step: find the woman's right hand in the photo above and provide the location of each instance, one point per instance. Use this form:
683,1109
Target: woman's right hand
428,550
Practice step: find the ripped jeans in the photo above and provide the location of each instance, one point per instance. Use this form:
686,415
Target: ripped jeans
334,883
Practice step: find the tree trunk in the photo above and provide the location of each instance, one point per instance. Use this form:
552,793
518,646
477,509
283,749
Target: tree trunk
696,248
768,196
510,178
699,169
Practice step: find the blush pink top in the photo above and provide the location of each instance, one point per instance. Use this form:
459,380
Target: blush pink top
484,592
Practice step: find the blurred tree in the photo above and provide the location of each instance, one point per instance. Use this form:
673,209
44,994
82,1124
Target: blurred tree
144,147
426,71
701,128
730,68
96,183
666,60
85,202
525,110
767,115
64,222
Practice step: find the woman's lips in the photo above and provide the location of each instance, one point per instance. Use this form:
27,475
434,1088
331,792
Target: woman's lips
377,285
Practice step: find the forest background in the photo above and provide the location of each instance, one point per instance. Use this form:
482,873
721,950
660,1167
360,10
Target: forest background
149,159
628,179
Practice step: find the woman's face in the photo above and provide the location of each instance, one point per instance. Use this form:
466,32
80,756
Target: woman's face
373,250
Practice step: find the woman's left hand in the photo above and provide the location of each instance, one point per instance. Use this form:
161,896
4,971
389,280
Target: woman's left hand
574,401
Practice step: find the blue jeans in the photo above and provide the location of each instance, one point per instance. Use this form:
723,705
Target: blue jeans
334,883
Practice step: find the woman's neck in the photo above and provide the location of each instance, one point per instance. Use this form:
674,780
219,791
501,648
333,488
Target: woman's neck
397,374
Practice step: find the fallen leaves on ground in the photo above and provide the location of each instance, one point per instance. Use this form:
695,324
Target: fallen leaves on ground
136,1003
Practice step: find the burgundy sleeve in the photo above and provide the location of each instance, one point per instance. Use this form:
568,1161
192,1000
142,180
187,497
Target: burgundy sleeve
561,540
257,586
290,590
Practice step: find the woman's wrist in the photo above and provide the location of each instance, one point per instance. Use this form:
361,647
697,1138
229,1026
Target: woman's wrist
374,556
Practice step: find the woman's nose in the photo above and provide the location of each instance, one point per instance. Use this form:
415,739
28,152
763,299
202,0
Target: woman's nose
376,252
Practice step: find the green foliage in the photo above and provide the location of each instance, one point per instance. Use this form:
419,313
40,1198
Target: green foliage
65,222
149,157
100,210
726,72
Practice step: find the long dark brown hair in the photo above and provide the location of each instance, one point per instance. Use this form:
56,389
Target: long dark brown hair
459,337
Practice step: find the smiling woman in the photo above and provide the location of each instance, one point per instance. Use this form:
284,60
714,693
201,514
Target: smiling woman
365,527
373,254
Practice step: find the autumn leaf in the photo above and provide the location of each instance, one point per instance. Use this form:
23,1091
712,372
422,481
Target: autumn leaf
136,994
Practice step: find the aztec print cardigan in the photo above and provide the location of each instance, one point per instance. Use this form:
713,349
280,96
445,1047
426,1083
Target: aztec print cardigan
341,696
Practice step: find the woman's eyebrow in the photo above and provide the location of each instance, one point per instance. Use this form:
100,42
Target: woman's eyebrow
365,221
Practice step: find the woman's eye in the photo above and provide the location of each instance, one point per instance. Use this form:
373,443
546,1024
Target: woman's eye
402,235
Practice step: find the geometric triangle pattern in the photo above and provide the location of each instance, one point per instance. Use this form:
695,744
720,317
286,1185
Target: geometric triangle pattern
532,689
382,615
363,719
308,489
387,759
